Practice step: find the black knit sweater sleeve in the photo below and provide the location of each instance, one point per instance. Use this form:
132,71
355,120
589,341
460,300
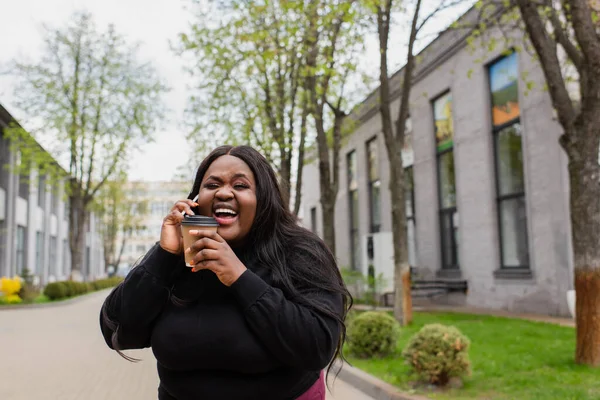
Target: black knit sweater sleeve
129,311
298,335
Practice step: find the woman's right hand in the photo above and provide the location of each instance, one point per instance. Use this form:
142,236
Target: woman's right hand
170,233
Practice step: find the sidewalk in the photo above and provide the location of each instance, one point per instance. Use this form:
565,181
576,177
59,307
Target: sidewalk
57,353
479,311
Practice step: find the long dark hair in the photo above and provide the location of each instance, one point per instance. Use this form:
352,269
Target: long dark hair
275,229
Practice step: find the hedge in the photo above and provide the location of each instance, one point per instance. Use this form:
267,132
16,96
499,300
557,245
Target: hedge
66,289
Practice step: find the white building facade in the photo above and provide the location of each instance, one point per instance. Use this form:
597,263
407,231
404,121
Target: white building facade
34,224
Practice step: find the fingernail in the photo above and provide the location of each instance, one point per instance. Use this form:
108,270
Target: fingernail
187,251
193,232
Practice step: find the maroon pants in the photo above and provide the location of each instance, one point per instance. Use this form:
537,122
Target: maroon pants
316,391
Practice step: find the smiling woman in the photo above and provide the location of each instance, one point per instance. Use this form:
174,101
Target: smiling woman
228,192
263,315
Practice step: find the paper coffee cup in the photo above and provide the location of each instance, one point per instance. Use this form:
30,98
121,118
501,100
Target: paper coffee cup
195,222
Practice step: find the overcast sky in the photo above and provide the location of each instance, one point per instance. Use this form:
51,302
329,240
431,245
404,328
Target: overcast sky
153,23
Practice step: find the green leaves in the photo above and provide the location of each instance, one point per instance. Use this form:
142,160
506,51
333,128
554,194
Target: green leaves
91,95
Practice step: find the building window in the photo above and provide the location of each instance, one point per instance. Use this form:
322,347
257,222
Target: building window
66,257
21,235
39,252
24,186
41,191
444,137
66,215
52,255
353,209
374,185
409,193
409,201
88,260
54,201
508,154
313,219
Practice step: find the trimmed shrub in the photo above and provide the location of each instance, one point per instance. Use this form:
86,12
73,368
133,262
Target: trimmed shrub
56,290
75,288
107,283
437,353
64,289
373,334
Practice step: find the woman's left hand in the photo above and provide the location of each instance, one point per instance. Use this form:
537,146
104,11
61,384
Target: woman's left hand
213,253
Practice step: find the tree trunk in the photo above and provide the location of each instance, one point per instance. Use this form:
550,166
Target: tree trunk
394,144
328,207
286,174
299,169
77,227
584,174
402,299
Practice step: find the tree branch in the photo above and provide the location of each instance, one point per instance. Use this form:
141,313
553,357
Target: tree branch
562,38
97,119
585,31
545,48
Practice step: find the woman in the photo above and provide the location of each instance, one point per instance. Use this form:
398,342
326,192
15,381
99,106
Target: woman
261,311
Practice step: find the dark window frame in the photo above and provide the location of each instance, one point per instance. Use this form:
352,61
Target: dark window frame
505,270
454,267
313,219
413,215
373,228
354,232
412,219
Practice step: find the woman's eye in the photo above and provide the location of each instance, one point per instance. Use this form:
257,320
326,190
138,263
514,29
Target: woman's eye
240,186
211,186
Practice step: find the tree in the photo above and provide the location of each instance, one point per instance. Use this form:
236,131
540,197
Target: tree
573,26
96,102
394,142
564,36
118,213
334,40
247,58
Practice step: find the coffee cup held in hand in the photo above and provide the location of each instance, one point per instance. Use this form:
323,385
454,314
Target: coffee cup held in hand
195,222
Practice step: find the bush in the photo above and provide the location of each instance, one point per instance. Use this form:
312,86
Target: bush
75,288
107,283
64,289
373,334
437,353
10,289
10,299
56,290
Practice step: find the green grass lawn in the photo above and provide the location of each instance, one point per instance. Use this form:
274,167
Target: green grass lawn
42,298
511,359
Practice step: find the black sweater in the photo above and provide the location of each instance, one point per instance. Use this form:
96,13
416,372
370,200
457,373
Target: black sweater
248,341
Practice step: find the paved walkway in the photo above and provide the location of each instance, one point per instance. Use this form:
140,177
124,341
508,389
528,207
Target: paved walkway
58,353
